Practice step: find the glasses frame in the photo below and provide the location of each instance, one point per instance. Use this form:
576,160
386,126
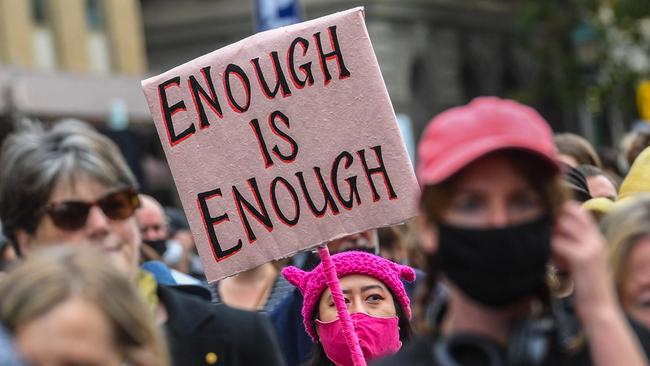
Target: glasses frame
58,219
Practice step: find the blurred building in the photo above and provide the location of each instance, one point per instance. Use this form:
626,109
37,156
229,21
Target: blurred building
71,58
433,53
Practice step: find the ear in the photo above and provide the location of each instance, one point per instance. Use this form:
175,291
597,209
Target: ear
294,275
23,240
428,235
407,273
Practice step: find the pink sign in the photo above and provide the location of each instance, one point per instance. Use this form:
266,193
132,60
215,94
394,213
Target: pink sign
282,141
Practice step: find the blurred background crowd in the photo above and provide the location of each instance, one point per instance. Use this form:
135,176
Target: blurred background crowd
583,65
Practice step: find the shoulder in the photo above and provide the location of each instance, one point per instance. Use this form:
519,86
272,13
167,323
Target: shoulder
196,327
280,291
417,352
240,319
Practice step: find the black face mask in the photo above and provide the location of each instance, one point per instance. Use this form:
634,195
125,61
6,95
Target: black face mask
496,267
160,246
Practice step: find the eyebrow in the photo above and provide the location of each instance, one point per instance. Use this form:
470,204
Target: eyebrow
372,287
363,289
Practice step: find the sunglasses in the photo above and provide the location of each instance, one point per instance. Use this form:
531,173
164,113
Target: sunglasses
72,215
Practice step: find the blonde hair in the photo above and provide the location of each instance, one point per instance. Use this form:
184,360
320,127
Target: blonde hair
624,227
50,277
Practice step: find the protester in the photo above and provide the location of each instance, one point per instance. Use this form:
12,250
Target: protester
258,289
376,300
599,183
7,253
494,216
627,229
69,185
155,232
576,182
8,354
638,178
635,142
180,231
71,306
365,241
575,150
296,344
391,244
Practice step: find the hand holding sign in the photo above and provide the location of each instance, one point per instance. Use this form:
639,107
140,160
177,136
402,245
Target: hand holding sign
282,141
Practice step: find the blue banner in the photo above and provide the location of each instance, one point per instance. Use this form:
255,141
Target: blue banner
271,14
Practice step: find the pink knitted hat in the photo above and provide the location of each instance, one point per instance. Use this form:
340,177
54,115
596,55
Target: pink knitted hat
312,284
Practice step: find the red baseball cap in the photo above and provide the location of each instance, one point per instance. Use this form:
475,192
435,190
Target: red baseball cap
460,135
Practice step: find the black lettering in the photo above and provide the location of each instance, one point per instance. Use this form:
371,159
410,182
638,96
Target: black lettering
335,54
305,68
199,95
273,118
262,217
168,112
381,169
276,206
281,81
327,196
352,181
237,71
268,162
210,222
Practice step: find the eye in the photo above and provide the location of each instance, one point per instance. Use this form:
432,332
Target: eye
374,298
468,202
525,200
644,304
331,303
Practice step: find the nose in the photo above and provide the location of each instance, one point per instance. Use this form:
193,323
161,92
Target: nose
356,306
148,233
499,214
97,223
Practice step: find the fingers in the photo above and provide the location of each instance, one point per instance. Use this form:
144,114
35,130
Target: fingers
577,238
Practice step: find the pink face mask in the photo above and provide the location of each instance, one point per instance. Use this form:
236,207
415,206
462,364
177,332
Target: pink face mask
377,336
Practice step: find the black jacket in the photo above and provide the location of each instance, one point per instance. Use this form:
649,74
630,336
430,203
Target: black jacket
420,352
199,333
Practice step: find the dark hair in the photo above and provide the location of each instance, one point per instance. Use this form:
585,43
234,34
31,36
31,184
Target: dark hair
319,358
576,182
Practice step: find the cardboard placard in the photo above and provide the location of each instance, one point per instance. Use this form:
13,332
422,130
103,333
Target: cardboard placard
282,141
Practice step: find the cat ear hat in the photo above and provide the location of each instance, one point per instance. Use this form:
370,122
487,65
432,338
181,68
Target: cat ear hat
312,284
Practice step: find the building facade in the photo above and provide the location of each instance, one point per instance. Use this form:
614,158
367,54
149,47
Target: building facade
71,58
433,54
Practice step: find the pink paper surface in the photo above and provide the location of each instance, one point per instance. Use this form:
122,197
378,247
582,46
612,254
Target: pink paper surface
219,162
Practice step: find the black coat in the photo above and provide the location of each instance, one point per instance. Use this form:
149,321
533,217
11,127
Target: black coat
199,333
419,352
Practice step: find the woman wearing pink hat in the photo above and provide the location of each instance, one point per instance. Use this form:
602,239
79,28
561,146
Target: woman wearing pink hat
376,300
494,216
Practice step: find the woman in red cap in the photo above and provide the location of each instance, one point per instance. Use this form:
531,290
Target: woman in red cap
495,216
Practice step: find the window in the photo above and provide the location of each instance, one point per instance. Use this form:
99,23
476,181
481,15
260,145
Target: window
43,42
98,46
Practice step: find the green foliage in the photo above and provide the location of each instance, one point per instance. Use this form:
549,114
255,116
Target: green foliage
590,51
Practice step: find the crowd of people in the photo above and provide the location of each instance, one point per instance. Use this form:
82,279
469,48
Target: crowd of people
529,249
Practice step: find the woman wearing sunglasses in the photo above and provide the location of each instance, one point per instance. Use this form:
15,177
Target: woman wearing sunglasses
69,185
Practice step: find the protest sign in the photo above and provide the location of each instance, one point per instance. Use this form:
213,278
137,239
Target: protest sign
282,141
